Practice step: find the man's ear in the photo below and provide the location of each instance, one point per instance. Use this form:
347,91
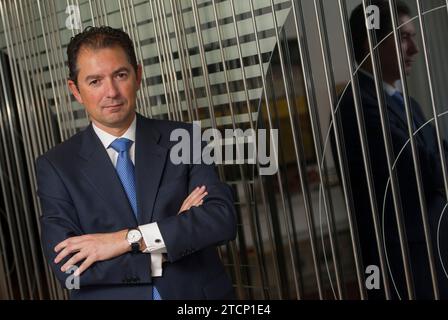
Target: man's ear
139,76
74,89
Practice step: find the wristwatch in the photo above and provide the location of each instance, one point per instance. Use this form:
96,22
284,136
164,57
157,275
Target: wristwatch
134,236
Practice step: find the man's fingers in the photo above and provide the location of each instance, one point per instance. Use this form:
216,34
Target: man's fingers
195,200
198,197
73,260
69,248
62,255
190,200
60,246
192,193
66,242
84,266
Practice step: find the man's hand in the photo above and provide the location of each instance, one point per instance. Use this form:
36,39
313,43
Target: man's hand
195,198
91,248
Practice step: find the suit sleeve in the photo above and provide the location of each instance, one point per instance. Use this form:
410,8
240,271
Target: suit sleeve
211,224
59,221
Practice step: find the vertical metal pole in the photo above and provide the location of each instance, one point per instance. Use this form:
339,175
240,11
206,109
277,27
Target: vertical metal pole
417,170
433,102
161,59
127,26
145,93
261,271
366,162
251,122
389,155
31,146
183,67
188,62
91,13
171,66
56,101
17,196
166,58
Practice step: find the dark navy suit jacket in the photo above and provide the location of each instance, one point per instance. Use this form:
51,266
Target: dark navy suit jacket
430,165
81,193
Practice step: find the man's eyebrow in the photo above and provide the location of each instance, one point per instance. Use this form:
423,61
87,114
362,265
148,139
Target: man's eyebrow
92,76
96,76
121,70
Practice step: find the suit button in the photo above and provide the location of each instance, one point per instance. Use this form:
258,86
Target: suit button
158,241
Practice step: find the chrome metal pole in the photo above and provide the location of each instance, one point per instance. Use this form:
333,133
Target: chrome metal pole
389,155
417,170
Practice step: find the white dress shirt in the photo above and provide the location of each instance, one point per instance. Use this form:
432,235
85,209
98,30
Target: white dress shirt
149,231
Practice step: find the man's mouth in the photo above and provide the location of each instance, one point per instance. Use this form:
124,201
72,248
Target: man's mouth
113,106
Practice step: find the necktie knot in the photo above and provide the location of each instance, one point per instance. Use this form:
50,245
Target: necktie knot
121,144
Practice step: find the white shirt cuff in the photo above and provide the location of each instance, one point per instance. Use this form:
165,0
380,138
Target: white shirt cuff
152,237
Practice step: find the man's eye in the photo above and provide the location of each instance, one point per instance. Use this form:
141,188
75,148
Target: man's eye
93,82
405,36
122,75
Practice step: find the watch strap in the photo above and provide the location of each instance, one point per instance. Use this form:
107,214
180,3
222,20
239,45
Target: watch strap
135,247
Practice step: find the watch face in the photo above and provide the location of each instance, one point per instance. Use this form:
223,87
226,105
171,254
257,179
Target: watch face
134,236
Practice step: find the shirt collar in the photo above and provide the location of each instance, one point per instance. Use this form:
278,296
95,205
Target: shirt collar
107,138
390,90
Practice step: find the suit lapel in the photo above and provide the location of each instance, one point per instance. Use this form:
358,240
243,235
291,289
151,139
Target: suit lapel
428,132
150,160
425,134
100,172
397,110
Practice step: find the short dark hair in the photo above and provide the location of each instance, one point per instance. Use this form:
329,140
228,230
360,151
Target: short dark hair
98,38
358,24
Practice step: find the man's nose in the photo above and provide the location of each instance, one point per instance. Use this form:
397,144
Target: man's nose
112,89
413,47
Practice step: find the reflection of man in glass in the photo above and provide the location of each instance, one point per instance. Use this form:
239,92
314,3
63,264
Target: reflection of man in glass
427,150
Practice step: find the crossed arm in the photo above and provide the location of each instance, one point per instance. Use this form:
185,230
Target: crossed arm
91,248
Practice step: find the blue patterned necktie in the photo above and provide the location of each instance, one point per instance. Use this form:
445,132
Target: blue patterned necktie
126,173
125,170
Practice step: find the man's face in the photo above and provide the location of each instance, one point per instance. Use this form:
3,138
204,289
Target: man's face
409,50
107,87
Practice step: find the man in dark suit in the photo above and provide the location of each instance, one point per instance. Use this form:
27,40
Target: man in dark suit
428,155
111,195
